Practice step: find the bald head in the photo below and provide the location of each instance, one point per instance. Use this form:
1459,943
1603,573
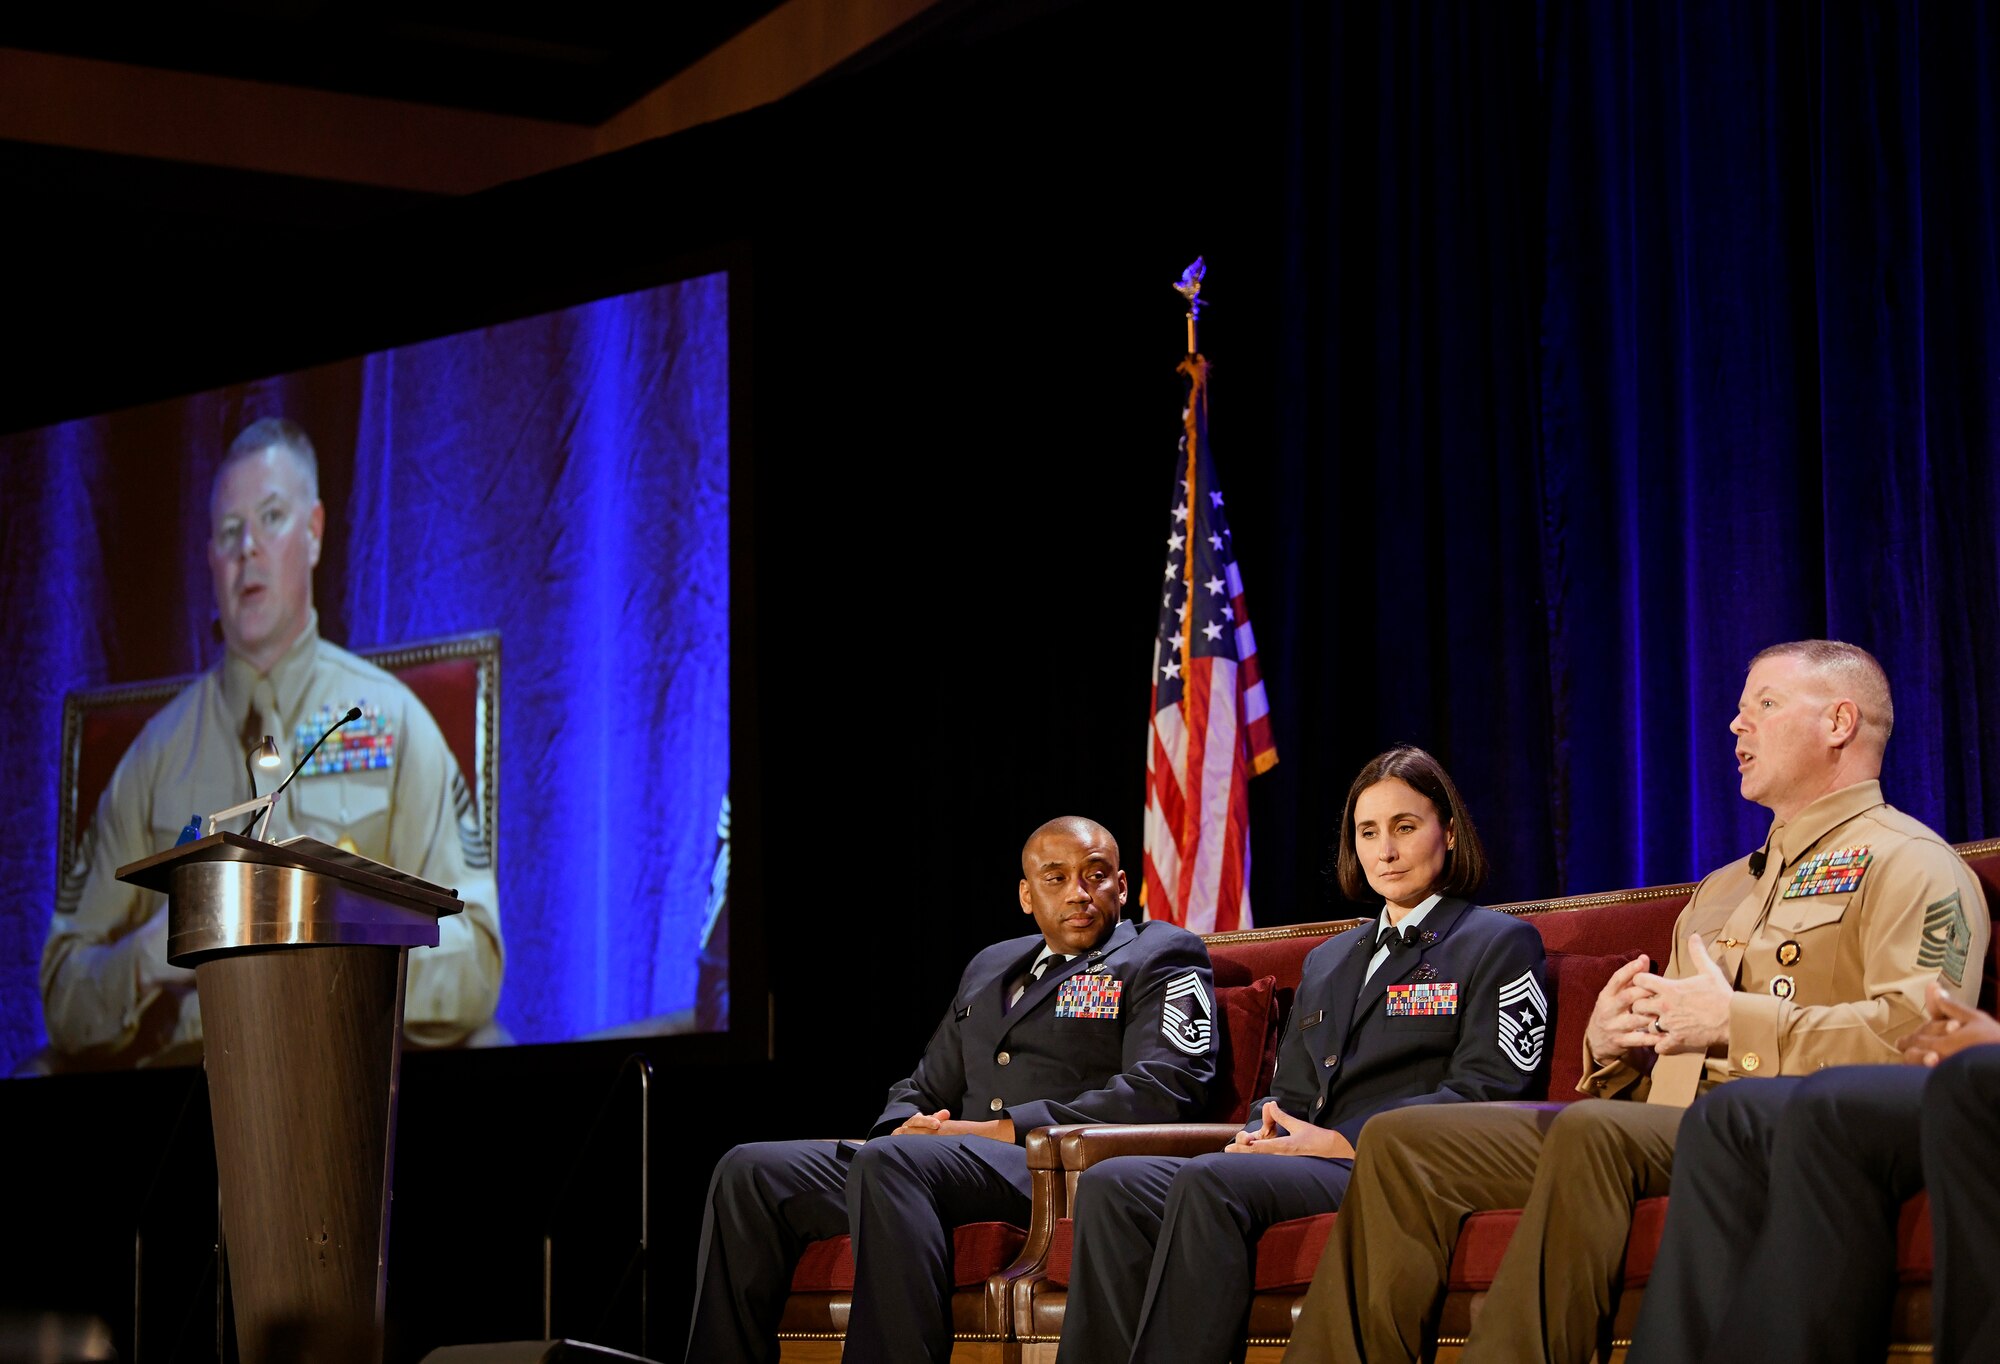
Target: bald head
1844,672
1088,831
1071,883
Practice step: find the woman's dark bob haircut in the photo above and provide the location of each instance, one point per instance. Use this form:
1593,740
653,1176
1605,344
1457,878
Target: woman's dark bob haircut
1464,865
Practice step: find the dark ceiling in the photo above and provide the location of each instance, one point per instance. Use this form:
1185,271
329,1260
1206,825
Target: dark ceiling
576,62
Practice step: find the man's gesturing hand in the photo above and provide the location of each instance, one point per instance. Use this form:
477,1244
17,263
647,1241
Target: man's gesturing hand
1611,1018
1688,1014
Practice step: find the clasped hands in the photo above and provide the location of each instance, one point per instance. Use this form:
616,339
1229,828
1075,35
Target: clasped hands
942,1124
1949,1028
1639,1010
1297,1138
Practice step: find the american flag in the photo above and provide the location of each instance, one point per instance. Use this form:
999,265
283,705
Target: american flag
1211,727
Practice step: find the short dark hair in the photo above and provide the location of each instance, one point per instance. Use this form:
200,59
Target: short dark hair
284,433
1465,865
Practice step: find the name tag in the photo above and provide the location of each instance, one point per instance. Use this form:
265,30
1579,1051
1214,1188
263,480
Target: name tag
1089,997
1425,1000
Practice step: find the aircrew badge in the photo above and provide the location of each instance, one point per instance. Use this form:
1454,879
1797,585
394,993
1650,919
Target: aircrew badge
1947,937
1427,1000
1830,873
1087,996
1524,1021
1187,1020
1424,971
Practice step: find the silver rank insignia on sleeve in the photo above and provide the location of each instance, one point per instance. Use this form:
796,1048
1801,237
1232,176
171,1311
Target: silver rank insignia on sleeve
1524,1021
1187,1019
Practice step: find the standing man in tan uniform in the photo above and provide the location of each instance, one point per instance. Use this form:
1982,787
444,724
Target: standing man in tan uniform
109,995
1815,950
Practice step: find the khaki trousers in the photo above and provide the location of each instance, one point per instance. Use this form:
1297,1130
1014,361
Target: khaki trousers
1574,1171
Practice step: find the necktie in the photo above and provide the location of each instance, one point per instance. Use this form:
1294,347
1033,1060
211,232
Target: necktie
1397,940
253,726
1041,968
262,716
259,720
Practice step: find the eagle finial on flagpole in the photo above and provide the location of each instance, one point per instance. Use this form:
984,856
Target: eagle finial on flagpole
1189,288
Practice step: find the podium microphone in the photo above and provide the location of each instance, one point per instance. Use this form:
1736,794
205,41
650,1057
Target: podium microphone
353,713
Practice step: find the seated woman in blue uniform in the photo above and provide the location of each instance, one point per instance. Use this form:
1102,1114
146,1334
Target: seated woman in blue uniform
1437,1001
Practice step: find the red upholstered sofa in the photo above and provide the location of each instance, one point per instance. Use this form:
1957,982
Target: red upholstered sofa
1587,936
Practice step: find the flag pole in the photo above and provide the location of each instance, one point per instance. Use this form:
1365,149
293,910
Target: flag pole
1189,288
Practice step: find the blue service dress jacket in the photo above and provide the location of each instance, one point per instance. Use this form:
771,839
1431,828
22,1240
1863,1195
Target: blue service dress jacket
1461,1016
1164,1258
1125,1032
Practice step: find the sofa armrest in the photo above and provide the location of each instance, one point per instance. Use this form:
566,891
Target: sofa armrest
1048,1203
1083,1147
1044,1146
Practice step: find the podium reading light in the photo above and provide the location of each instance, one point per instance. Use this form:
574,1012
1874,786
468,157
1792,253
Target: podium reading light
264,755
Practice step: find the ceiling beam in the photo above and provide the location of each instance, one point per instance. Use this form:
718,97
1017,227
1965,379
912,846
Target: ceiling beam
131,110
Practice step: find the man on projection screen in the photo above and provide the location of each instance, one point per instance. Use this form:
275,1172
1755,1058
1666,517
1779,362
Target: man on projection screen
109,996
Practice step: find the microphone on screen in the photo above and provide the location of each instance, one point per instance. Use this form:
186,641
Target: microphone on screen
353,713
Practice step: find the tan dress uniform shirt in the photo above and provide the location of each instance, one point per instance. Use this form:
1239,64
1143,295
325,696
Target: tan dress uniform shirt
1834,978
416,814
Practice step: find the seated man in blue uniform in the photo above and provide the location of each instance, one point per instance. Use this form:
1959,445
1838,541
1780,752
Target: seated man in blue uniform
1438,1001
1781,1235
1091,1019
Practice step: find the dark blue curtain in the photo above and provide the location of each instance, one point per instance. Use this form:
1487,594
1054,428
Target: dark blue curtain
562,479
566,480
1622,340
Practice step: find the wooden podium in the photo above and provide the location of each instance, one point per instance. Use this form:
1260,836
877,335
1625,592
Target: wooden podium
299,952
